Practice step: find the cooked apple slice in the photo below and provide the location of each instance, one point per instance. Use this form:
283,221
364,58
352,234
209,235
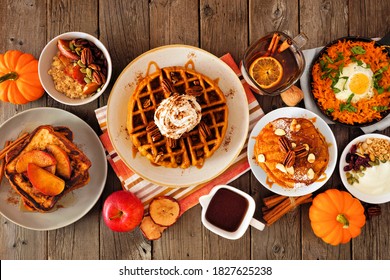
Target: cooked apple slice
43,181
151,230
40,158
64,168
51,169
164,210
63,47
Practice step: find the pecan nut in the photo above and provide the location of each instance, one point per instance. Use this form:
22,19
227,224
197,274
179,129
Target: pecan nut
373,210
284,144
194,90
301,151
97,78
94,67
86,56
204,130
154,132
289,159
167,86
172,143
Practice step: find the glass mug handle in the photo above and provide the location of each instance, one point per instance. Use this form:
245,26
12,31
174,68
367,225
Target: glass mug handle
300,40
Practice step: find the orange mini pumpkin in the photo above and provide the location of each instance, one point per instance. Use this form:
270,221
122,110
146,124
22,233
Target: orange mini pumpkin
336,216
19,80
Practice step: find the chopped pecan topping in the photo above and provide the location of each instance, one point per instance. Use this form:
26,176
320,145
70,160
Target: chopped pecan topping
204,130
174,77
194,90
167,86
289,159
284,144
158,157
172,142
301,151
154,132
147,104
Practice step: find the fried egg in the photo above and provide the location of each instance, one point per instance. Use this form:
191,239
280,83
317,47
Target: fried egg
357,80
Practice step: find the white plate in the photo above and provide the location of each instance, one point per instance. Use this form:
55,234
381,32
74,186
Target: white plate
319,123
363,196
75,204
205,63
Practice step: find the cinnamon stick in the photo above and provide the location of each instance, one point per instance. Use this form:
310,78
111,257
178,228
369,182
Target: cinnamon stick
273,44
273,200
284,207
19,140
2,162
285,45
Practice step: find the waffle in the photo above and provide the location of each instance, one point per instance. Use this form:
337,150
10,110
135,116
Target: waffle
194,146
292,152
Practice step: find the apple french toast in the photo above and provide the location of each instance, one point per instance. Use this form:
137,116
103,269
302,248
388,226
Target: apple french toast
46,166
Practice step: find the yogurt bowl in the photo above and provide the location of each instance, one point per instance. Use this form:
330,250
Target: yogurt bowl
370,180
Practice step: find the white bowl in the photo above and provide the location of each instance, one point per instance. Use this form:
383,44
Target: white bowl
358,193
45,61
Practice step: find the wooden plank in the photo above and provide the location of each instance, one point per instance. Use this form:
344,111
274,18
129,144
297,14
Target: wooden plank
124,29
223,29
323,21
370,18
26,34
174,22
273,243
71,242
177,22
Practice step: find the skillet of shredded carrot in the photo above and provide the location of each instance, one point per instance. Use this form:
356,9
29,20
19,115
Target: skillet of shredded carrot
326,71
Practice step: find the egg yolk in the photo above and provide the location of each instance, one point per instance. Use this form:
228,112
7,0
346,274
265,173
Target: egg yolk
359,83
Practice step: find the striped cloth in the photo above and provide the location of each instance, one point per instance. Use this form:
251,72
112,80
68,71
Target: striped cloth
189,196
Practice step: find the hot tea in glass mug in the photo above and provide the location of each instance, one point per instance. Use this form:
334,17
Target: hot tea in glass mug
274,63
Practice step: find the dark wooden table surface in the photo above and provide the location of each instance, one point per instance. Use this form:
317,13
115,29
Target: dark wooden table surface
129,28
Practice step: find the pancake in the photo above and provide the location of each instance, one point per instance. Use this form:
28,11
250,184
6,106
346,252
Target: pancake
292,152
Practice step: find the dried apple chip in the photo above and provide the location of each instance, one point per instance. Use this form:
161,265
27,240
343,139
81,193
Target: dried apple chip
151,230
164,210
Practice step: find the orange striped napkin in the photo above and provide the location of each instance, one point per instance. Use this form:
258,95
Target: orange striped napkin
189,196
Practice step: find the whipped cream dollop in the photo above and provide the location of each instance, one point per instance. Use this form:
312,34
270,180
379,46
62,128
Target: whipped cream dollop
177,115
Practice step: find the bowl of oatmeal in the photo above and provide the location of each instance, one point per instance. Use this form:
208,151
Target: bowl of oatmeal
75,68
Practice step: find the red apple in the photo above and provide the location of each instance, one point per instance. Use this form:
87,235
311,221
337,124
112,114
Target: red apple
123,211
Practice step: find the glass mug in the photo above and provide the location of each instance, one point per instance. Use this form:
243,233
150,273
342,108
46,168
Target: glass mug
286,51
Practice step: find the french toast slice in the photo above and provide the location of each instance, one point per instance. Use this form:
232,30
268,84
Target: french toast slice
39,145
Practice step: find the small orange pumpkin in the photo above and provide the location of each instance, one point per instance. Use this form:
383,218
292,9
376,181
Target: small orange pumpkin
19,80
336,216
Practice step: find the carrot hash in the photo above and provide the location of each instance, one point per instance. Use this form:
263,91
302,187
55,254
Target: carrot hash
327,70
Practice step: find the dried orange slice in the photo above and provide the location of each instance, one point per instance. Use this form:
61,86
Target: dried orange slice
266,71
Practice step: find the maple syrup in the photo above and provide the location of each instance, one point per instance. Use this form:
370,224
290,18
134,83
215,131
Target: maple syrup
227,210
